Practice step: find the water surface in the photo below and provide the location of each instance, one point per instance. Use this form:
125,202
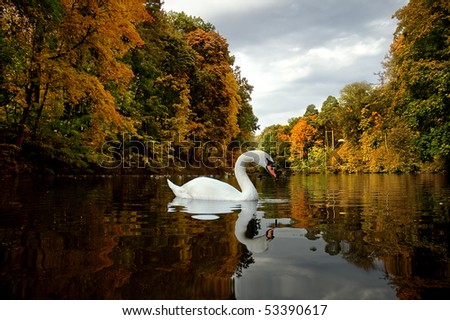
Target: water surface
308,237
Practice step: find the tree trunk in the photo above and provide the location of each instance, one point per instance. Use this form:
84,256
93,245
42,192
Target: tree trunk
41,107
32,97
21,129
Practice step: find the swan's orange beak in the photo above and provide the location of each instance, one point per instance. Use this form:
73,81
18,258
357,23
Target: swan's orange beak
270,169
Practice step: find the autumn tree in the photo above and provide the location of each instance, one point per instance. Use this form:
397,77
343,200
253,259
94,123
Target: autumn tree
216,101
186,91
303,137
68,70
419,70
77,74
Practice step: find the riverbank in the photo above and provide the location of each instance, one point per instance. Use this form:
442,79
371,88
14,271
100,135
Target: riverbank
36,161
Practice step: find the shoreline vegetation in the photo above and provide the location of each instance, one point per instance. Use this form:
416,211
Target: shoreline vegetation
16,164
110,88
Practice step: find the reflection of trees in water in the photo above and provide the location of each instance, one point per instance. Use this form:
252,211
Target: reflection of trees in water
108,239
347,238
245,261
419,274
333,247
312,233
396,224
63,254
412,250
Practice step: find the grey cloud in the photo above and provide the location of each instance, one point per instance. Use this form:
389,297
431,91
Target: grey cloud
298,52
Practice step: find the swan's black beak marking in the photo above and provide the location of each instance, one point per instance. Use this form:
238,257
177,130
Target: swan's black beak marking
270,167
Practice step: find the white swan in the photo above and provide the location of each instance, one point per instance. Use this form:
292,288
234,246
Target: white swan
211,189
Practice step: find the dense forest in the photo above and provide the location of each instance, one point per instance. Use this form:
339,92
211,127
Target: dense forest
115,85
124,86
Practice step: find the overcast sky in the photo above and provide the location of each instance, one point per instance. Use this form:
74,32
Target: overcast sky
298,52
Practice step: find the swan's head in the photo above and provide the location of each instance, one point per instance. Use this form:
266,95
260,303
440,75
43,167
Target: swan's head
263,159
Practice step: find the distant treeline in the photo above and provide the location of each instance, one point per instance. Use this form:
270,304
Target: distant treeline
109,86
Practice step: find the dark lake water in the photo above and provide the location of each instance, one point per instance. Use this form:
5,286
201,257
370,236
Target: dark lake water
334,237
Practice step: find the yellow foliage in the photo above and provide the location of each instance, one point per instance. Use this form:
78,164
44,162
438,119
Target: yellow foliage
93,36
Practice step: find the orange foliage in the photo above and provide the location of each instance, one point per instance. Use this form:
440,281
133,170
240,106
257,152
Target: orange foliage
302,136
218,102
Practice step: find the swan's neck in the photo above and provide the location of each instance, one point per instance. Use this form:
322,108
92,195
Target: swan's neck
248,189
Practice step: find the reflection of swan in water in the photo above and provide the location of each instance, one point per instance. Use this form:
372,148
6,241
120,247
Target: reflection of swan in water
211,189
255,231
203,209
251,228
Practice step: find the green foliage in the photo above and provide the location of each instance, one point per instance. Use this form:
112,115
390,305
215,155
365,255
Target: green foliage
311,110
419,68
316,161
354,99
275,141
185,24
247,121
328,113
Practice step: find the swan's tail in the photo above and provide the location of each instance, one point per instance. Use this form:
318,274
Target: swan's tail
177,190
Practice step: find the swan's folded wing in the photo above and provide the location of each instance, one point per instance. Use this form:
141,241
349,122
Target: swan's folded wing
211,189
